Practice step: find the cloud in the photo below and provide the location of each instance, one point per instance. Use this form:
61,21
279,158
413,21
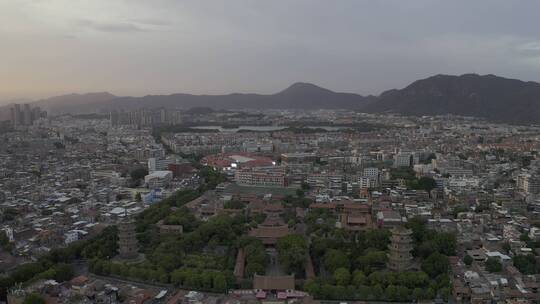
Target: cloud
110,27
529,49
151,21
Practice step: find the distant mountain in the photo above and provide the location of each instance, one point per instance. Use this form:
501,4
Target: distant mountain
488,96
297,96
74,103
199,111
71,103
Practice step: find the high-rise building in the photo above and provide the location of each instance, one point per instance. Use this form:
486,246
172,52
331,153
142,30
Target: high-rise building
530,184
12,116
159,164
400,258
17,119
403,159
114,118
27,115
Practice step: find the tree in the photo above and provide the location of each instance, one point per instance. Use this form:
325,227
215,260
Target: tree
58,145
33,298
377,238
373,260
378,291
406,173
312,287
428,159
493,265
418,227
436,264
446,243
506,247
327,291
445,293
220,282
207,279
63,272
526,264
391,293
234,205
211,176
342,276
292,252
254,268
427,183
138,173
468,260
163,277
334,259
418,294
4,241
524,237
359,278
434,241
138,197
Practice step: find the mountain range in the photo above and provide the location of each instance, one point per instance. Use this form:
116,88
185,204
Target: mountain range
488,96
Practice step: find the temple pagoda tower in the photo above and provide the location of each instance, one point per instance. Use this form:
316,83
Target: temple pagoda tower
400,258
127,239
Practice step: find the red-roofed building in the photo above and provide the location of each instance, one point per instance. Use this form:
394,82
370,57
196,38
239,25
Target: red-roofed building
236,160
269,234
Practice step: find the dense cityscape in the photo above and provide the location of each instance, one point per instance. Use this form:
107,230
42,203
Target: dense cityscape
269,152
207,206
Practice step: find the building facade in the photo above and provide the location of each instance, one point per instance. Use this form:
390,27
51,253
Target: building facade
400,257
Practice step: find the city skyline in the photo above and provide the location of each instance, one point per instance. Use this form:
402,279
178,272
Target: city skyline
244,152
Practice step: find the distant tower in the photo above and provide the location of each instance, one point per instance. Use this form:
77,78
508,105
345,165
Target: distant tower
127,239
17,115
27,115
13,117
400,258
114,118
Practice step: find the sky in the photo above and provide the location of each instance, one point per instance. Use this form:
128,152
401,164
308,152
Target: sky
139,47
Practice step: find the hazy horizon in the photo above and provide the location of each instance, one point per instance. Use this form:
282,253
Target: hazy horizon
134,48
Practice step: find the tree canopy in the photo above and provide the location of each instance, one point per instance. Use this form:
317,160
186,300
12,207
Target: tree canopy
292,252
493,265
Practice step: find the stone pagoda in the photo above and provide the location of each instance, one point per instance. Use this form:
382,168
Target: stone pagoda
400,258
127,239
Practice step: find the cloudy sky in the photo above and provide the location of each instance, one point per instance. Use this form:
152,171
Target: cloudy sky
137,47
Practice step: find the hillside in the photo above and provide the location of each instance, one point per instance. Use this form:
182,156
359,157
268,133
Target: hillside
488,96
297,96
74,103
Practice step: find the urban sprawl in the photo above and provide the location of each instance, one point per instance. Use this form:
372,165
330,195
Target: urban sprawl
277,206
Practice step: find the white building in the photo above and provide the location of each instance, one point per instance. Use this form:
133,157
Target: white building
371,172
159,164
158,179
528,183
9,233
71,236
403,159
365,182
534,233
461,183
423,168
